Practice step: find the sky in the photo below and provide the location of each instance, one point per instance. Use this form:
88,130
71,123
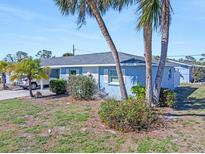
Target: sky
33,25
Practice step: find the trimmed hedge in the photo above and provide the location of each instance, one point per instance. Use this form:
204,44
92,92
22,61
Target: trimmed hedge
81,87
58,86
126,115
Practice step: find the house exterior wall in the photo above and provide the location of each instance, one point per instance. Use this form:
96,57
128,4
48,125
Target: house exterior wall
64,71
185,74
92,70
132,75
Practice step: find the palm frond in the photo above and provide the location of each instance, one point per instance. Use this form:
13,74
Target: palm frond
81,8
149,12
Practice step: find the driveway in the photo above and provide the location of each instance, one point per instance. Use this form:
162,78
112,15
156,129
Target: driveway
10,94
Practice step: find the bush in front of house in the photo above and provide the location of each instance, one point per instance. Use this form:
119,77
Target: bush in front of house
81,87
58,86
138,91
167,97
126,115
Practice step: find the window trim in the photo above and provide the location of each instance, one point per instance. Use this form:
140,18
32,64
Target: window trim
109,77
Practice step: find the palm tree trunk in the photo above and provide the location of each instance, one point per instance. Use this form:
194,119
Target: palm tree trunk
164,48
30,89
111,44
147,32
4,81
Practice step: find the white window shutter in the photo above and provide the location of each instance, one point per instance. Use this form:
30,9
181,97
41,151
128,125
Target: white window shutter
123,72
106,75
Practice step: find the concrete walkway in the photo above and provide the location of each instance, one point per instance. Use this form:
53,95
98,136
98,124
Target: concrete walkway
11,94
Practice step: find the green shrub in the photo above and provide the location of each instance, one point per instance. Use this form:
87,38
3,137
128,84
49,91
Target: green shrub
138,91
81,87
58,86
167,97
126,115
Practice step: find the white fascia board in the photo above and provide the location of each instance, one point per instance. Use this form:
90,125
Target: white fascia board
89,65
181,63
98,65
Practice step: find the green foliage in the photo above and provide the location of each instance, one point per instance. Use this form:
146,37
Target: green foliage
30,68
81,87
167,97
44,54
81,8
198,74
138,91
149,13
67,54
20,55
4,67
10,58
126,115
58,86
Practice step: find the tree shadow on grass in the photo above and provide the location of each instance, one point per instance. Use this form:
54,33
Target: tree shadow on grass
184,102
184,114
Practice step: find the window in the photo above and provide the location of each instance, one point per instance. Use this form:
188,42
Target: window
112,74
170,74
73,72
55,73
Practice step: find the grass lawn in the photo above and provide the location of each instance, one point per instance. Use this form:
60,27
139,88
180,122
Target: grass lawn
64,125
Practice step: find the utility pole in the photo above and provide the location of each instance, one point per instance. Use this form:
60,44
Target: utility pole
73,50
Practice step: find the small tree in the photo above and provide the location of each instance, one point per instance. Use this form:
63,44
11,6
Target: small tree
31,69
44,54
3,70
10,58
21,55
67,54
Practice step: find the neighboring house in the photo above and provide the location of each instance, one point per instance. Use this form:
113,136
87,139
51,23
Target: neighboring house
102,68
185,71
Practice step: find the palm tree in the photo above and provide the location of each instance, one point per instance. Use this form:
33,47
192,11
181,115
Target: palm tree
3,70
164,47
149,18
30,68
96,9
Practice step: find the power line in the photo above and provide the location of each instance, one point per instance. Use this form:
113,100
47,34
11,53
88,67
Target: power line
185,55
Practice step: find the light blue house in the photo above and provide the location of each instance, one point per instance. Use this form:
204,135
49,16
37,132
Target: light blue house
185,70
102,68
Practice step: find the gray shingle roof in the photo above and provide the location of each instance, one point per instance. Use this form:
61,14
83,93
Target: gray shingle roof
94,58
88,59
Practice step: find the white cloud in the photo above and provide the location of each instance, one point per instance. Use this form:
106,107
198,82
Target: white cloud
22,14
